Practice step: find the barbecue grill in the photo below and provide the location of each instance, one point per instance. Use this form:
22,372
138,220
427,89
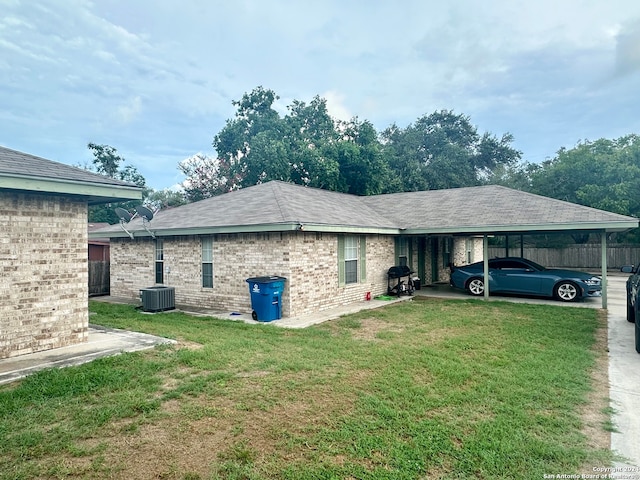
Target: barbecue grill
396,284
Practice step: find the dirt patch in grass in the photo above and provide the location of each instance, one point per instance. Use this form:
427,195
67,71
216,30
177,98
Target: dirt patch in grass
182,343
194,437
371,328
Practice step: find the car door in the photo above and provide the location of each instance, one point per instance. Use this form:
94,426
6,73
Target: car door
515,276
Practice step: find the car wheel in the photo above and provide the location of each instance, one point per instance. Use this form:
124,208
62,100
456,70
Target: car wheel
566,291
631,311
476,286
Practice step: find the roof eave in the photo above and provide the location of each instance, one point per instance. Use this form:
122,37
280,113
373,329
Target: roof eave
96,193
619,226
261,228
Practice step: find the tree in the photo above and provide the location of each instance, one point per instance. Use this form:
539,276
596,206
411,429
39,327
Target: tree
166,198
308,147
602,174
246,143
106,161
312,138
363,169
443,150
258,145
206,177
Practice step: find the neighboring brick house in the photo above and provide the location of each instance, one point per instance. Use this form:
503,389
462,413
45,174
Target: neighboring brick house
332,248
43,250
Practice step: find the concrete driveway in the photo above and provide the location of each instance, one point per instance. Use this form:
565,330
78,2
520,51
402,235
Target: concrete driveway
624,366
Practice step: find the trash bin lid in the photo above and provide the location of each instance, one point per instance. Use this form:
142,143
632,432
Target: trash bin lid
271,279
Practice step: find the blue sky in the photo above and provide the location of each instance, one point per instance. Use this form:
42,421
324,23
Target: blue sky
155,79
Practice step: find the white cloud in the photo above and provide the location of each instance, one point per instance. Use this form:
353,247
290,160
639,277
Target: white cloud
628,49
129,112
336,105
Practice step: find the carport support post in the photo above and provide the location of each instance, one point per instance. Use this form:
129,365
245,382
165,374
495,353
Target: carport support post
485,257
603,241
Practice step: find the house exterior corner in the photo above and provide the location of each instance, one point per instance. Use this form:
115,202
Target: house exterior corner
43,259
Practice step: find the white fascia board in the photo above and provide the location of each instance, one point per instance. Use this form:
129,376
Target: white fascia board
98,192
285,227
618,226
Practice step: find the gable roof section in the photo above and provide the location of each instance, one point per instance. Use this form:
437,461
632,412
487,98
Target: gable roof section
280,206
24,172
491,209
271,206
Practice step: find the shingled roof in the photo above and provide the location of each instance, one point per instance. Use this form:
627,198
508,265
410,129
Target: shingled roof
491,209
25,172
280,206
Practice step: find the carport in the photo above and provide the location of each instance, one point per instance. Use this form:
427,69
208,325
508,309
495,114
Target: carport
493,210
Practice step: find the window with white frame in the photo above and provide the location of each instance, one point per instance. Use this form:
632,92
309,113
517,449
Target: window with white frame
351,250
207,262
159,260
352,259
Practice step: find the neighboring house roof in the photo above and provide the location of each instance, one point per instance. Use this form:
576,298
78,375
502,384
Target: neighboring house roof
25,172
91,227
280,206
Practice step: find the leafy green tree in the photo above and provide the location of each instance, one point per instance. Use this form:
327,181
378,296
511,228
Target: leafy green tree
166,198
312,136
308,147
205,177
444,150
259,145
518,176
363,168
603,174
248,142
106,161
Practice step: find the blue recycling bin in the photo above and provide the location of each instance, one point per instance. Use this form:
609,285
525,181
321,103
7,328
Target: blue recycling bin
266,297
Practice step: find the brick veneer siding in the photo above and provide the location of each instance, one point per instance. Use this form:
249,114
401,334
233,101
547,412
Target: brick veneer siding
308,260
43,260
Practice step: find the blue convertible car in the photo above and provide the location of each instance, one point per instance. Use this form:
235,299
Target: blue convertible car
522,276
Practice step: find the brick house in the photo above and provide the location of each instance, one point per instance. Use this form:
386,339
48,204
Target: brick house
332,248
43,250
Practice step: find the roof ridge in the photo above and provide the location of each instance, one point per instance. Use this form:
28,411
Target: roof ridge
276,195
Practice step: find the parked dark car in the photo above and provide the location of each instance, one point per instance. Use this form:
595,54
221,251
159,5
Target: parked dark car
524,277
633,305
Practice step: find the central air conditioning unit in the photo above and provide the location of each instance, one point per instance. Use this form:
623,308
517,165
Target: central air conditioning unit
158,299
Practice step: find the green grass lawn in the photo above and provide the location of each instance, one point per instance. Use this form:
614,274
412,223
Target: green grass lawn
422,389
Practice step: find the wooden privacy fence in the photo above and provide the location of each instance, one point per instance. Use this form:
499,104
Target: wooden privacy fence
98,278
587,256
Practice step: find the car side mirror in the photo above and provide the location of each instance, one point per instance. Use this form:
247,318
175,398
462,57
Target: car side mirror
627,269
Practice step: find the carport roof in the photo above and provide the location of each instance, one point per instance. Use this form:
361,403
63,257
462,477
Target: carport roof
281,206
491,209
24,172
